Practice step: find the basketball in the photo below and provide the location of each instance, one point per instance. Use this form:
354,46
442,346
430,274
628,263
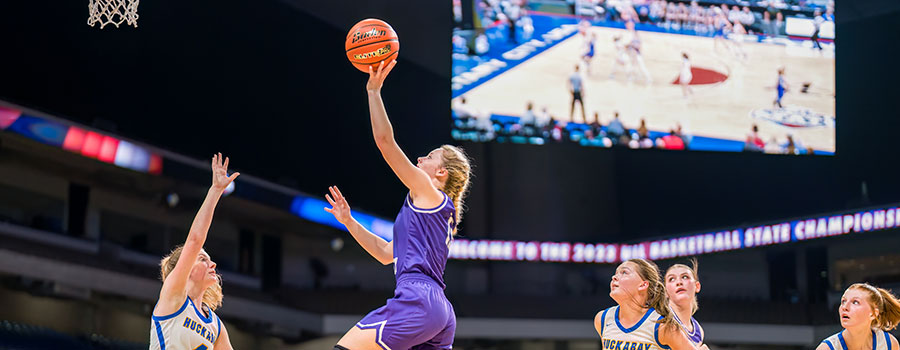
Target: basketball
370,42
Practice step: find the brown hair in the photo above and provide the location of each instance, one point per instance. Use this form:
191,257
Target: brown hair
213,295
656,293
885,305
459,171
694,271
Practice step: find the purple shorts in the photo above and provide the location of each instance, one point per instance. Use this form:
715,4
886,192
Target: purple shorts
418,317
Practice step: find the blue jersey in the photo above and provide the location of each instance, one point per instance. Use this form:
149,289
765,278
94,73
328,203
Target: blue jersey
881,340
187,328
422,239
590,49
781,87
644,335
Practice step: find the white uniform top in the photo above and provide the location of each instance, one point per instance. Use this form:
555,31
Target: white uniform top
644,335
881,340
633,42
186,329
621,54
686,76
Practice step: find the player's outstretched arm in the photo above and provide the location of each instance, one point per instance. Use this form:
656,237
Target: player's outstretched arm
416,180
173,291
379,249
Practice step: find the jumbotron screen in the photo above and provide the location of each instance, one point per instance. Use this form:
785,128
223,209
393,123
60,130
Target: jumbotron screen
719,75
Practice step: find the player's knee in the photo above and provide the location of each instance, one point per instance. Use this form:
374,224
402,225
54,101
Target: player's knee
338,347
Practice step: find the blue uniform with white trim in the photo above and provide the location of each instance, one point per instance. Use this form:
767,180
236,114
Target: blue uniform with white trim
590,49
186,329
781,87
644,335
881,340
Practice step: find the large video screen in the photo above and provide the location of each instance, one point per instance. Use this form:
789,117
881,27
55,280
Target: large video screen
718,75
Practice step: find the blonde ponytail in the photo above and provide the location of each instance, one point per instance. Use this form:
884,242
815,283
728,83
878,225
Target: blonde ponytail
459,171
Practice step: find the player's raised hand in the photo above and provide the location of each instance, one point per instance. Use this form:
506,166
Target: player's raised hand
377,75
339,206
220,179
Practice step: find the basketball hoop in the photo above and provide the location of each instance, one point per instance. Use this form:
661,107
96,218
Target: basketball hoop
112,12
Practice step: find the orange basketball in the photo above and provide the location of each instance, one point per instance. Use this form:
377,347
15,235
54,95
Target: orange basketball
370,42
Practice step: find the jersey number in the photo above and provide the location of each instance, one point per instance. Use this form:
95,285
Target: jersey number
449,231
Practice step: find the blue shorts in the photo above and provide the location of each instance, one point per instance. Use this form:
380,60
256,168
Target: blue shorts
418,317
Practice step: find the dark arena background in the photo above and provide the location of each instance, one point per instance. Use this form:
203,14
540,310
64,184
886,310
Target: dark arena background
105,137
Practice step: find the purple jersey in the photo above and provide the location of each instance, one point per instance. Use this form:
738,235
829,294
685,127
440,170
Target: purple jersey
422,239
418,317
696,336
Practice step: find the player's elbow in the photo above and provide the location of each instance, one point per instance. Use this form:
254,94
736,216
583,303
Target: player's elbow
194,238
383,139
387,256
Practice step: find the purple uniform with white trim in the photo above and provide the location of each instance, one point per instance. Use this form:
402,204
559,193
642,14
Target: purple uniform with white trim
418,316
695,336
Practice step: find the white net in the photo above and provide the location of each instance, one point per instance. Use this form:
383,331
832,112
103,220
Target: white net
113,12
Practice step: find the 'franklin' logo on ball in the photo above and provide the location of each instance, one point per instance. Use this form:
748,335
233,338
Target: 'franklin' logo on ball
794,117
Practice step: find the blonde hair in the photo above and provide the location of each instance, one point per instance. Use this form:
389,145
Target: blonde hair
694,271
656,293
213,295
886,305
459,171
